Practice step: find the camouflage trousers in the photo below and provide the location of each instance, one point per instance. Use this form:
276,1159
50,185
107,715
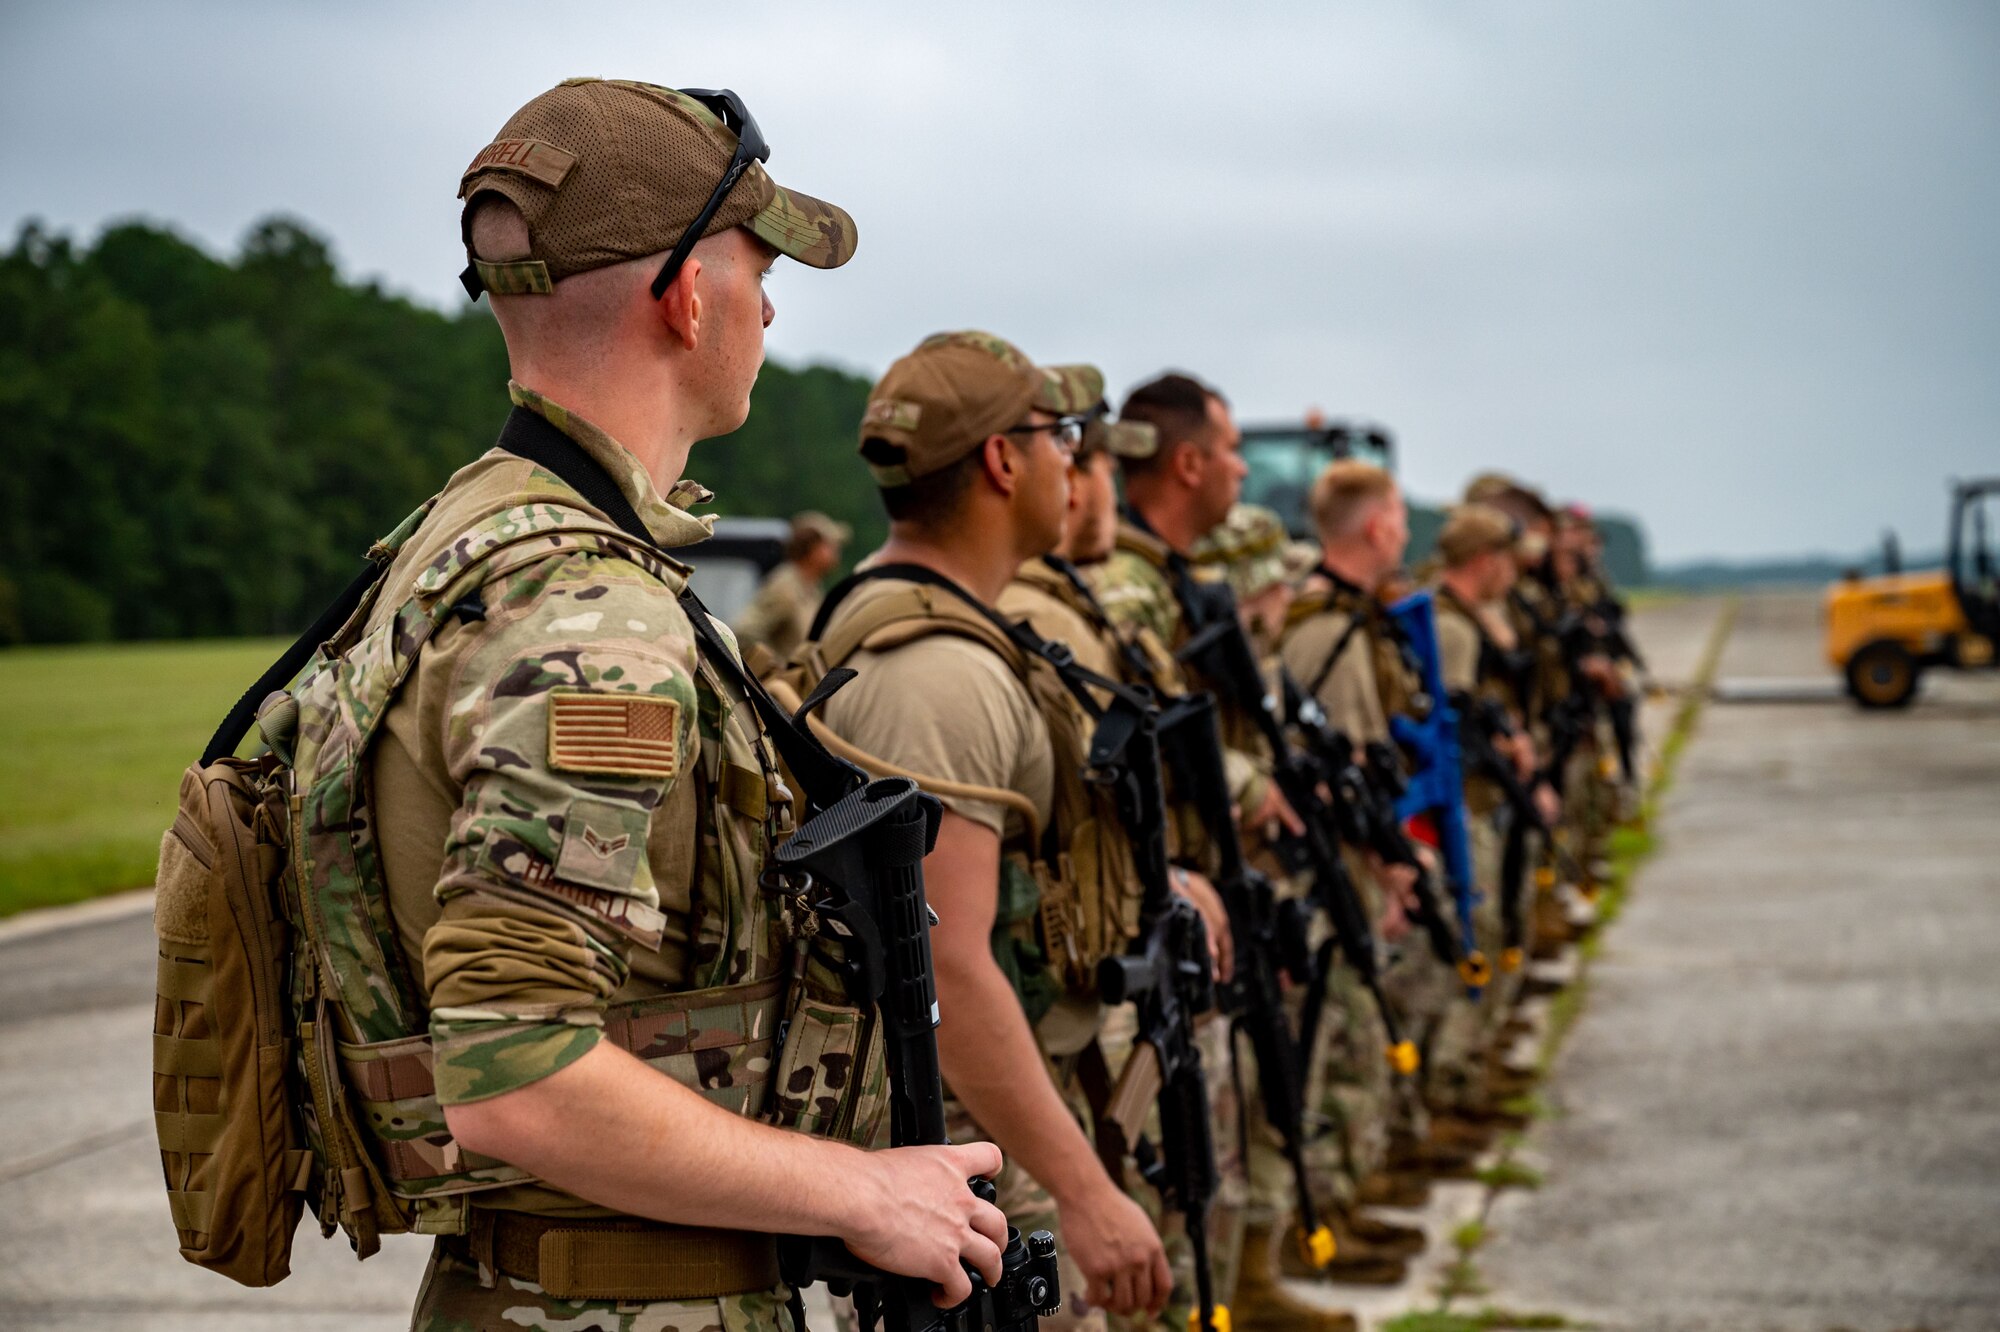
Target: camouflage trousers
1592,800
1227,1214
1349,1104
1029,1206
1454,1077
453,1300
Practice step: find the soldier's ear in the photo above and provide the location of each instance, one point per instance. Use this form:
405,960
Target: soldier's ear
679,306
996,457
1185,459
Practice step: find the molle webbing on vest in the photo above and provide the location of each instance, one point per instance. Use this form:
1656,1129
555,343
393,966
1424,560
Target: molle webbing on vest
1081,863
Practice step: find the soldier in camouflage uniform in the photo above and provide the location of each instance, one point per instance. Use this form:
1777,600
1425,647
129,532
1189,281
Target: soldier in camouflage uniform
1177,493
1054,596
1593,795
1340,649
1535,616
971,444
570,802
1479,657
778,617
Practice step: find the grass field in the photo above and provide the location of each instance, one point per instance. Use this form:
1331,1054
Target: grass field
92,744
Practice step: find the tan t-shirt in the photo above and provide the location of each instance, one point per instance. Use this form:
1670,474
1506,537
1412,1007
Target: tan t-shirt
1349,693
1458,648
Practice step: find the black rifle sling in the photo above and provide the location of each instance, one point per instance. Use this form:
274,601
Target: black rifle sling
293,660
1076,678
825,777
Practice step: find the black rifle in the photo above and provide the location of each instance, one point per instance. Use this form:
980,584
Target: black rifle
1365,792
1168,976
1220,649
858,866
1485,723
856,862
1624,710
1191,740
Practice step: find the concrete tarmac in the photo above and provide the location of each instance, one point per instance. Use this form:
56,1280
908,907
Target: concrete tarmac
1809,1145
1780,1108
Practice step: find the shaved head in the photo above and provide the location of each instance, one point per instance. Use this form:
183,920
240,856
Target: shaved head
577,317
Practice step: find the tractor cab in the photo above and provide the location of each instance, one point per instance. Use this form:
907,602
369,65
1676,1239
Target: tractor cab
1284,460
1882,633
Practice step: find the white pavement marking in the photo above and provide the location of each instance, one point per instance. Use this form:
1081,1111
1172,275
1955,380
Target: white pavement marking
47,920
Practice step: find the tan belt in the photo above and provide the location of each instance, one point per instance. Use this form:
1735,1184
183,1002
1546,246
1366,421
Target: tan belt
591,1258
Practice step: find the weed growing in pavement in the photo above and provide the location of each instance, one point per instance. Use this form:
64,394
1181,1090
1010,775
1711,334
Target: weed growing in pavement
1488,1319
1507,1173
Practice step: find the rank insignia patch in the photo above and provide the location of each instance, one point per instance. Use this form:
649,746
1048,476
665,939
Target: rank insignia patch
623,735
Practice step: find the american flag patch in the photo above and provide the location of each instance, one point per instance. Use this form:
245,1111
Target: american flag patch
626,735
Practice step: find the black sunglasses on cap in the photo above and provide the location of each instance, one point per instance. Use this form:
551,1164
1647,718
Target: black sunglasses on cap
750,147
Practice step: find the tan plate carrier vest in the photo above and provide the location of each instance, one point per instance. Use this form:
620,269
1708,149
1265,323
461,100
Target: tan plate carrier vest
297,1050
1069,892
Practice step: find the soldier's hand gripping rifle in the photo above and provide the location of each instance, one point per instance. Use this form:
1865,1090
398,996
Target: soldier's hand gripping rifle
1191,741
858,866
1221,650
1168,977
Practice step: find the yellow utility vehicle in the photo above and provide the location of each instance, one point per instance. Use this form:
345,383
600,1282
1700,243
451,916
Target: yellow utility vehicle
1882,633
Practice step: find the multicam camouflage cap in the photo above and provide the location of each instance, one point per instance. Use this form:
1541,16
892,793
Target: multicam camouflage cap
1073,390
1470,530
939,403
1120,439
606,170
1249,546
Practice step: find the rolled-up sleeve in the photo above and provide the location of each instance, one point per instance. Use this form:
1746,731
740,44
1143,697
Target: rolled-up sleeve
572,719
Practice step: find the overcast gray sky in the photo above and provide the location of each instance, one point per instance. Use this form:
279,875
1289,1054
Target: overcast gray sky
1731,267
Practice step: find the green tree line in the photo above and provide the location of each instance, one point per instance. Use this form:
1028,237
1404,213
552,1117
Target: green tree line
200,446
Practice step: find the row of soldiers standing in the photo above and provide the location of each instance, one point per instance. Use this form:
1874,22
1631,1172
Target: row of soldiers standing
1017,611
571,976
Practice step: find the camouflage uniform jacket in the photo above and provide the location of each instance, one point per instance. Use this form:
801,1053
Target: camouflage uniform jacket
1135,588
1058,603
1535,614
591,806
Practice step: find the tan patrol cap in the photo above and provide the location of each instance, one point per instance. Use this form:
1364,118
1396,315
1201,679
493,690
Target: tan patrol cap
1473,529
941,401
606,170
815,523
1504,492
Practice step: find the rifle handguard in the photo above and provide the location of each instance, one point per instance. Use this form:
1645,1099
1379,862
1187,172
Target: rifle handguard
1316,1246
1404,1059
1476,971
